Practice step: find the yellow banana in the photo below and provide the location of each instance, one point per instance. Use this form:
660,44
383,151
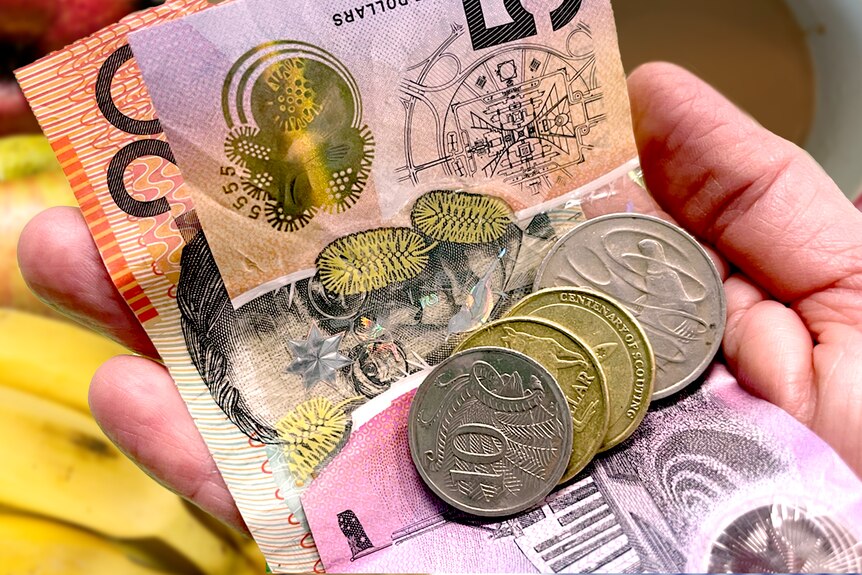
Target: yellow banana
254,560
56,463
50,358
34,546
26,155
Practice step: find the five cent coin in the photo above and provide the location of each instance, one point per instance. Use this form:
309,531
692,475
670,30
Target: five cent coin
490,431
664,277
571,363
618,341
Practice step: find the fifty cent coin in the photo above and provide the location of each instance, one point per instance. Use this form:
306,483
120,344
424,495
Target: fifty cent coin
618,341
490,431
571,363
661,274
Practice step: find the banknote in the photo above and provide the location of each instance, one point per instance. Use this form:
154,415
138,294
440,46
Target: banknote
296,123
94,108
277,384
714,480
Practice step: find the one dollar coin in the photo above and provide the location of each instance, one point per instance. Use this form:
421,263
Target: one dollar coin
571,363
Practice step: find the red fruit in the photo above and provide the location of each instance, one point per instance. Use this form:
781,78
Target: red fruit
29,29
15,115
25,21
75,19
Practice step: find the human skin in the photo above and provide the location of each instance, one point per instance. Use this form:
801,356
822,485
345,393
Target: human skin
786,239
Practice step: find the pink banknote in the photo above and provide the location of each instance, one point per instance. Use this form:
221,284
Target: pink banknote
713,480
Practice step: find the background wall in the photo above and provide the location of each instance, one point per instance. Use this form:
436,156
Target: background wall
792,64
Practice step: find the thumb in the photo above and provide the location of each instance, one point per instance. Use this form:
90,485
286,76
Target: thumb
762,202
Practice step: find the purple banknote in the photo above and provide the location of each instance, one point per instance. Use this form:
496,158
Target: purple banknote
712,480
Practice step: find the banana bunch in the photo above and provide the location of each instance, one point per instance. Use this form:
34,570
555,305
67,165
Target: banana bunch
70,502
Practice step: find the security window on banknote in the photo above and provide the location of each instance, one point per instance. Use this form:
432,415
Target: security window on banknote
310,205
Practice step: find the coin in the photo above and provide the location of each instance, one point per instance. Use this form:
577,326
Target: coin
618,341
661,274
571,363
490,431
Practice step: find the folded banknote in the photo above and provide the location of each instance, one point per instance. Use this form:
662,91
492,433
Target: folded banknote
539,107
297,123
713,480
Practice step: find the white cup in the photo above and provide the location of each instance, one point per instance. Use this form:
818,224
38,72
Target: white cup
835,41
796,67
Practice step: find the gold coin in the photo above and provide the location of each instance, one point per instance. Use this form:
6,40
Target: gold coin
618,340
575,367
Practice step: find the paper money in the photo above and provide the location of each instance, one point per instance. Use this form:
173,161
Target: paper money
710,469
297,123
384,302
297,356
93,106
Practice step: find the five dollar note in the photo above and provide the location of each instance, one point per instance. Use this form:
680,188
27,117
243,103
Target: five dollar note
307,131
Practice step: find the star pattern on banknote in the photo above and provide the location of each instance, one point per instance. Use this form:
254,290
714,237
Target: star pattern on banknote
316,358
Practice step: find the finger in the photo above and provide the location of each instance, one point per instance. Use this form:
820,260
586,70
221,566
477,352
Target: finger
139,408
61,264
760,200
839,395
769,348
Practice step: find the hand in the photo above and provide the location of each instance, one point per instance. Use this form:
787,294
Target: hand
794,302
794,314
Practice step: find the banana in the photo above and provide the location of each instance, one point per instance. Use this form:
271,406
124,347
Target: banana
26,155
50,358
254,560
33,546
56,463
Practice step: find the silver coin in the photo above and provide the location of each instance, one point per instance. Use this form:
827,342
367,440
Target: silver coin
490,431
661,274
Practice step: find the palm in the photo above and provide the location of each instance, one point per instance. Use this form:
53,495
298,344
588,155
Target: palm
795,296
794,326
818,383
